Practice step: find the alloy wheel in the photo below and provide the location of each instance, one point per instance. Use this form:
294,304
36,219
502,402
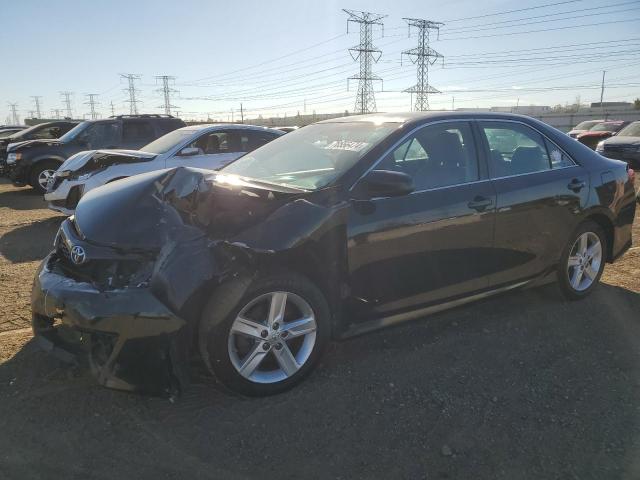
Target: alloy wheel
585,259
272,337
44,178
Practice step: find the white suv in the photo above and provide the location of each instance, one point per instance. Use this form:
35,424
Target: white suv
200,146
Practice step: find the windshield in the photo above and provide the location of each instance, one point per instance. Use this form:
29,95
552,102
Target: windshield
73,133
586,125
311,157
168,141
605,127
27,131
7,133
631,130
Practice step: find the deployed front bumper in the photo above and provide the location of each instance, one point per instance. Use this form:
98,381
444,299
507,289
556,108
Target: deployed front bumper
64,195
132,340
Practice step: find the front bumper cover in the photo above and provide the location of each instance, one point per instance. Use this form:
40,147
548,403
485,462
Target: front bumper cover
133,342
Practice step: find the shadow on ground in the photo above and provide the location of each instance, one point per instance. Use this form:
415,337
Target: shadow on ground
31,242
525,385
25,198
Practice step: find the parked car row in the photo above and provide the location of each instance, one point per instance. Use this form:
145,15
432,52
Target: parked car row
615,139
331,230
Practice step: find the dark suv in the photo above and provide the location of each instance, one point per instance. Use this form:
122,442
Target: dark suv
42,131
34,162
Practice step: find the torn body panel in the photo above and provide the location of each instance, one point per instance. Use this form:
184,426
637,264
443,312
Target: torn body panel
146,274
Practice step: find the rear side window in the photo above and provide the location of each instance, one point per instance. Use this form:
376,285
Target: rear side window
515,149
436,156
137,131
559,159
257,139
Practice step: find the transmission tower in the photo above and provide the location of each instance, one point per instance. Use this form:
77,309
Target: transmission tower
32,114
113,109
36,102
92,105
67,103
55,113
132,91
166,91
368,54
14,113
423,56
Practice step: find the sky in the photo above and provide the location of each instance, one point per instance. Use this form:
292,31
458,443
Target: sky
282,58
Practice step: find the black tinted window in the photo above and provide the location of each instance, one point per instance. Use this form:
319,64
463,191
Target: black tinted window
100,135
436,156
515,149
137,131
257,139
47,132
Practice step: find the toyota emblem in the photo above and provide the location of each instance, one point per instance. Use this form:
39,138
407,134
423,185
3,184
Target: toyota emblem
78,256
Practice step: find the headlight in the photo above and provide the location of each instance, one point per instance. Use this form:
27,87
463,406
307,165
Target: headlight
600,146
13,157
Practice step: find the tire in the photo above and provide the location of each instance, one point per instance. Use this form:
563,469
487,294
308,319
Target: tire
226,344
38,173
580,279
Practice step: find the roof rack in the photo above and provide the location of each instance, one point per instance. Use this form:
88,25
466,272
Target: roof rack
144,115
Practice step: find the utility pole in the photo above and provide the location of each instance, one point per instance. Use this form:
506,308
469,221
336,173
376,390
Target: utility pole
232,120
453,103
67,102
166,92
602,91
368,54
92,105
241,113
14,113
36,102
132,91
55,113
423,56
113,109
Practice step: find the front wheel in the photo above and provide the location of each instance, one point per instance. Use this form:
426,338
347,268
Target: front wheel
42,174
268,341
582,261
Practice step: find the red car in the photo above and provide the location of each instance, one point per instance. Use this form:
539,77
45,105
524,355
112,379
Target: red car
600,132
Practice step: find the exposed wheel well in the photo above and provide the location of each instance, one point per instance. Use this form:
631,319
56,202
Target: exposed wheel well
607,227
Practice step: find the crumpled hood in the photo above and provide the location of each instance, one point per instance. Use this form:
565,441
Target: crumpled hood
32,144
147,211
92,160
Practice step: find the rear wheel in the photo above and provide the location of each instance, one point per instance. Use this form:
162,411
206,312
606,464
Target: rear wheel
582,261
42,173
271,339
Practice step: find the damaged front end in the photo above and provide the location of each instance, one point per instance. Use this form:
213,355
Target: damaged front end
129,275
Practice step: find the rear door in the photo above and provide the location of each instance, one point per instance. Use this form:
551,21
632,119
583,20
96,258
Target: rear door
539,189
432,244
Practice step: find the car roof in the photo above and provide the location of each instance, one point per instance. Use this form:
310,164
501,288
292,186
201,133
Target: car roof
421,117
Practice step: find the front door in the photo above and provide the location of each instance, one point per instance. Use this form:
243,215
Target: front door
214,150
431,245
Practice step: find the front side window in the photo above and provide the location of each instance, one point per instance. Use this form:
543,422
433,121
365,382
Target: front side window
133,131
47,132
312,157
100,135
435,156
515,149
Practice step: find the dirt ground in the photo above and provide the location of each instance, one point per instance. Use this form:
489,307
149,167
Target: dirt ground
525,385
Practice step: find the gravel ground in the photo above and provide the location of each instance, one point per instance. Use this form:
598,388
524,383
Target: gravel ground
525,385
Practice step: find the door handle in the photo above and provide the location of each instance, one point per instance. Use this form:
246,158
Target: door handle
576,185
480,203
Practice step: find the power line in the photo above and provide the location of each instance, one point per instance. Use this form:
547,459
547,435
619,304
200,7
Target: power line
132,91
506,12
92,105
422,56
366,53
67,102
36,102
166,92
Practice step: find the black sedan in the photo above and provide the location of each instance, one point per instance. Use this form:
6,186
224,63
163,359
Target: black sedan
332,230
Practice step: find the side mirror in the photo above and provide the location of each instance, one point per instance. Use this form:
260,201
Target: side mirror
189,151
387,183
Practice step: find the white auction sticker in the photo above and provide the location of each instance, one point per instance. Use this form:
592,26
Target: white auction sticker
346,145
